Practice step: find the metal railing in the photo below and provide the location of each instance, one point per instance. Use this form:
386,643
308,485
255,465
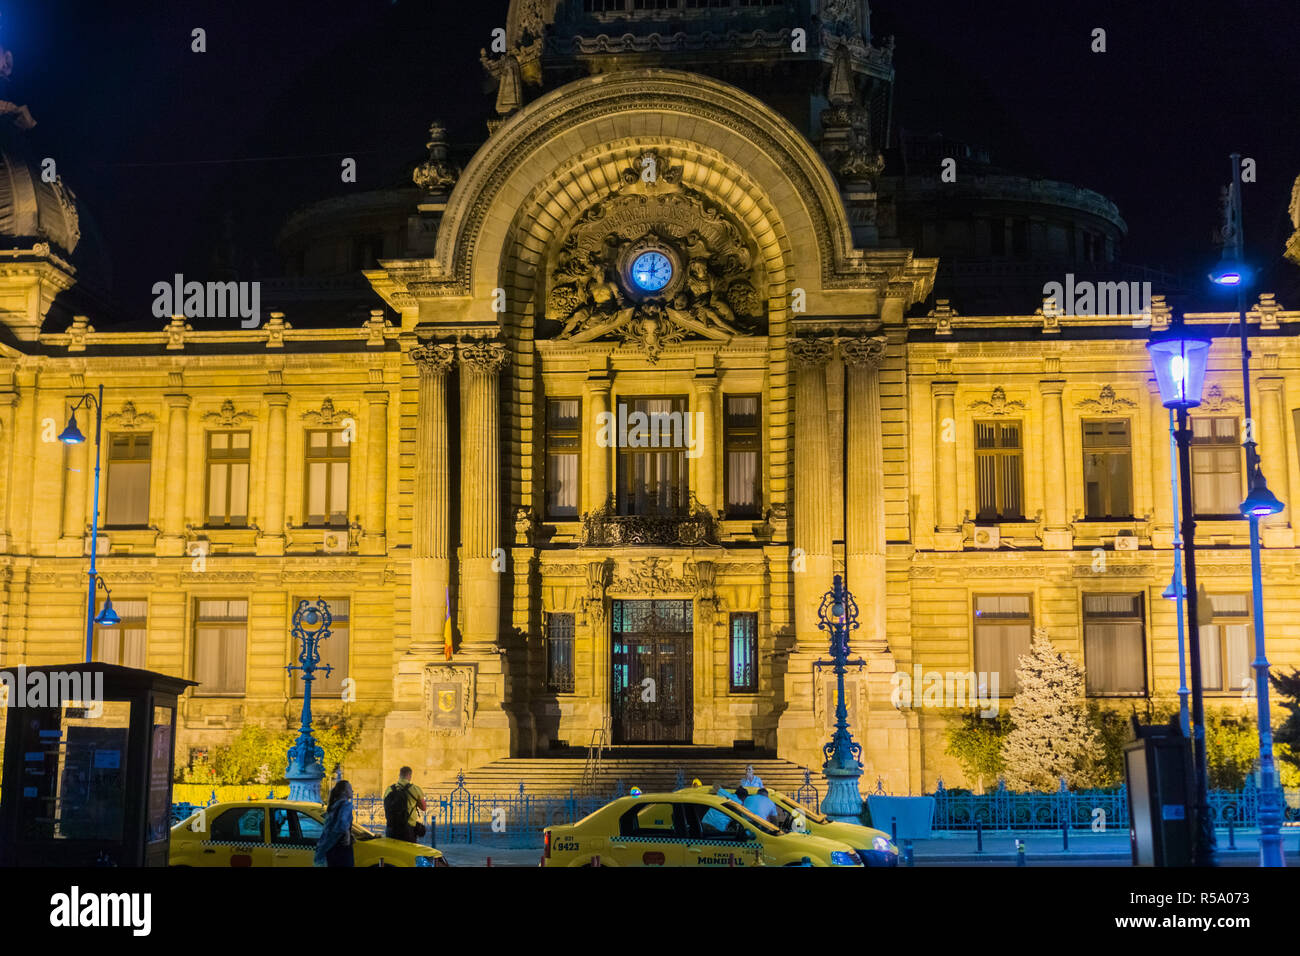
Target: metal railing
595,752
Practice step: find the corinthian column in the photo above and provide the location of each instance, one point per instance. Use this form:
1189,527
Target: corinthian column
172,541
864,491
948,531
375,508
812,485
430,534
271,541
1271,439
481,363
1057,534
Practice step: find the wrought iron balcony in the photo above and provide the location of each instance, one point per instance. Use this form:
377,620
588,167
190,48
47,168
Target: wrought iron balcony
687,527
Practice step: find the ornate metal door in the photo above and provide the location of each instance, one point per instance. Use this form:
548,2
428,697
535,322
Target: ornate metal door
651,670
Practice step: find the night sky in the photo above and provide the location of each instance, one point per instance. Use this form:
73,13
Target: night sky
171,149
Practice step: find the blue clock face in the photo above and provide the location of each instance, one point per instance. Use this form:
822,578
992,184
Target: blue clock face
651,271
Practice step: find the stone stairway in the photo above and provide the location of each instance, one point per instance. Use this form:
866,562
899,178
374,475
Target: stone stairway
651,772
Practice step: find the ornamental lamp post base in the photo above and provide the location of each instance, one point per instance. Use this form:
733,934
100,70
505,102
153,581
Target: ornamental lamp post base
304,781
843,801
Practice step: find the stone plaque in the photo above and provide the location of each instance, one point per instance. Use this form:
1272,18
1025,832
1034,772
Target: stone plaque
449,698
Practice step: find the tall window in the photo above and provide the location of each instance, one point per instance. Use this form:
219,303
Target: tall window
742,420
327,479
1107,469
652,467
128,479
1004,626
228,479
220,638
744,652
124,643
563,444
1226,643
333,651
559,653
1114,650
1216,467
998,457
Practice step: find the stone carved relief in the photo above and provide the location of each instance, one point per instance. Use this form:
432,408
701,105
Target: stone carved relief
714,288
598,580
864,351
449,691
810,352
128,417
997,404
327,415
227,417
655,576
483,356
1106,403
433,359
1216,401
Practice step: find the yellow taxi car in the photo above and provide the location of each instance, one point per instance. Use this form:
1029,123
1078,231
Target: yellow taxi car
874,847
687,828
278,833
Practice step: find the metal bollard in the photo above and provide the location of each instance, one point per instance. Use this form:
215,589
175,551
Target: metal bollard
489,861
907,853
1065,836
1232,832
1020,853
893,829
979,836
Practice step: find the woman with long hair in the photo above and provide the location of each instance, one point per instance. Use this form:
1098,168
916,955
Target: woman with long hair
334,848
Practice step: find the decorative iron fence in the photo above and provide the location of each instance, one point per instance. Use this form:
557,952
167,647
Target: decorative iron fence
513,820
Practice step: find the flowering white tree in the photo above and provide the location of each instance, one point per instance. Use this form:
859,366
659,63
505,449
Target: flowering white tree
1052,736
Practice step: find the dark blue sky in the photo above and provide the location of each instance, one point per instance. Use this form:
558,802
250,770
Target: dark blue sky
162,142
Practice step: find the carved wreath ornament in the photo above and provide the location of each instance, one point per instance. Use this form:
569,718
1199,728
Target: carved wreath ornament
709,285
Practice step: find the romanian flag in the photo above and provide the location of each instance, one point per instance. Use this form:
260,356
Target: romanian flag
446,629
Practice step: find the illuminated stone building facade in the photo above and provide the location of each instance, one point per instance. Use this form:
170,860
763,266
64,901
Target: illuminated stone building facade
670,227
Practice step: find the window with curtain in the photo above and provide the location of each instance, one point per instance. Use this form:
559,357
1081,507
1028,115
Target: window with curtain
124,643
127,503
1114,647
653,480
1216,467
742,420
1107,469
326,504
563,457
998,460
220,639
744,652
1226,643
559,653
228,461
333,650
1004,628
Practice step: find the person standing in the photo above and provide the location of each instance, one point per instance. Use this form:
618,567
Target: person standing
403,804
334,848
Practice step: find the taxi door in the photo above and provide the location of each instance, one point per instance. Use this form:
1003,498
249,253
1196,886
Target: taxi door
236,837
650,834
716,838
293,837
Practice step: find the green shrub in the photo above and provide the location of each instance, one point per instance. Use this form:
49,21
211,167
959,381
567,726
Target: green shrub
976,743
259,755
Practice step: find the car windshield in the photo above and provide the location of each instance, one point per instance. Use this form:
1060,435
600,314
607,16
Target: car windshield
757,822
785,803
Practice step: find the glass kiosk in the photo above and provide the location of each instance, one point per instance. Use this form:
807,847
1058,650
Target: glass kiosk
88,765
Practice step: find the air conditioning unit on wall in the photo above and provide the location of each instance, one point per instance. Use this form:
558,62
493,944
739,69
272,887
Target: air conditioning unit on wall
987,537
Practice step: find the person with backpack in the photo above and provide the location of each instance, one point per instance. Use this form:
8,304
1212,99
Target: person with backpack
334,846
403,804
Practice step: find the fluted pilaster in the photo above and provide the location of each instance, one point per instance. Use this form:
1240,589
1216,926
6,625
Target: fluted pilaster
595,458
1271,445
864,490
175,475
430,535
375,508
812,483
706,465
1057,534
945,455
271,540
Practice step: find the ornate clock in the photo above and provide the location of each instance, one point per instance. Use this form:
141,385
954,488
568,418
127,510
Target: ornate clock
650,271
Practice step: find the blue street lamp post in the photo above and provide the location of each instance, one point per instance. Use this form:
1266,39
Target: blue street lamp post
1175,590
1179,359
838,615
71,435
311,625
1233,273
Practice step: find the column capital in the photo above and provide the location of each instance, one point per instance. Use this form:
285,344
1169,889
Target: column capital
377,398
433,359
176,400
810,352
944,388
483,356
276,398
1272,383
863,351
597,385
705,383
1052,386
